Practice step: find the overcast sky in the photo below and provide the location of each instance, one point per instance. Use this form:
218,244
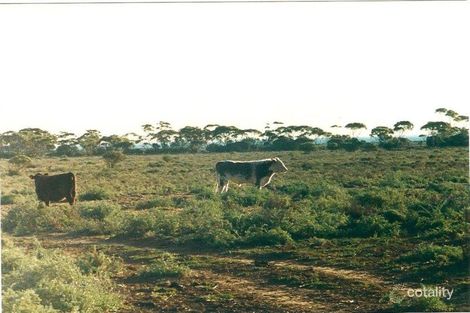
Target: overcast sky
116,67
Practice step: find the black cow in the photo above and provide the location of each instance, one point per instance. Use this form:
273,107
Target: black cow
259,172
55,188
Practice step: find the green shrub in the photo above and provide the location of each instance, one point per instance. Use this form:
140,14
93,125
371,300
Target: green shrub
98,263
112,158
13,172
24,301
300,190
430,304
204,224
164,266
97,211
436,255
167,158
28,220
137,225
277,202
99,219
95,194
20,161
304,222
203,192
263,237
166,223
371,226
401,303
247,197
160,202
7,199
46,281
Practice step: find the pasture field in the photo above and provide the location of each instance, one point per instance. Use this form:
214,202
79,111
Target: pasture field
339,232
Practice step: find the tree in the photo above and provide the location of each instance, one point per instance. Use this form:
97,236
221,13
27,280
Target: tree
225,134
112,158
461,118
67,144
444,134
383,133
355,127
90,140
116,142
36,142
147,139
192,137
164,135
436,128
10,143
402,126
452,114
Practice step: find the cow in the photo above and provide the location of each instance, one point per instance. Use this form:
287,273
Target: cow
55,188
258,172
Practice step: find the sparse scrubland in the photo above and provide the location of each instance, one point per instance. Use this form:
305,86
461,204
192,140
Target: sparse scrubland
339,232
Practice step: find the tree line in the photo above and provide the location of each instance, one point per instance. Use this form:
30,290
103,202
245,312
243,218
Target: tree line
163,138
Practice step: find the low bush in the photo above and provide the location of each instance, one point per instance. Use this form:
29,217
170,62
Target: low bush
204,223
7,199
438,256
203,192
247,197
43,280
371,226
20,161
27,220
266,237
112,158
98,263
137,224
164,266
95,194
24,301
100,219
160,202
97,211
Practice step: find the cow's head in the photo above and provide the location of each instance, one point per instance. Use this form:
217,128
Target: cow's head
37,175
278,166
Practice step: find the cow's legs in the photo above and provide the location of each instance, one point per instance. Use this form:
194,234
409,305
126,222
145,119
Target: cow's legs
222,184
70,199
47,202
225,186
258,183
73,195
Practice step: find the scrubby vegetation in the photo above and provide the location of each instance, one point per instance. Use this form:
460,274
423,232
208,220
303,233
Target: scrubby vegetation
400,214
41,280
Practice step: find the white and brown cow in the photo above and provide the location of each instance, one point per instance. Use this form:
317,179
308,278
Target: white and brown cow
259,172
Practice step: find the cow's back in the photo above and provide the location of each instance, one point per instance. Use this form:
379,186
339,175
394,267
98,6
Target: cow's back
232,168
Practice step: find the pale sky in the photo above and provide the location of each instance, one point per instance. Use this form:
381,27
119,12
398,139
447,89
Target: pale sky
116,67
